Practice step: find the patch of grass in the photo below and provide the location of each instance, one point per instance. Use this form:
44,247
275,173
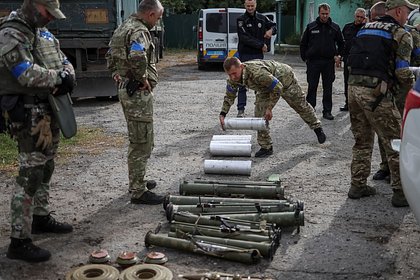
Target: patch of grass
8,152
86,141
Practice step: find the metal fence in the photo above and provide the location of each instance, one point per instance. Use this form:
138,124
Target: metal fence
179,32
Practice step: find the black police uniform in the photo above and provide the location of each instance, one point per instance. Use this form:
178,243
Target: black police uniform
349,33
251,30
320,43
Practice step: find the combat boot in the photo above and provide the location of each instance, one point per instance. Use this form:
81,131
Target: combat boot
398,199
42,224
264,152
148,197
358,192
150,185
320,135
382,175
241,114
24,249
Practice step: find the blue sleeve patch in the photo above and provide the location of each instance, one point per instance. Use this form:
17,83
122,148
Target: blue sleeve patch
230,89
137,47
416,51
46,35
401,64
273,84
66,61
374,32
19,69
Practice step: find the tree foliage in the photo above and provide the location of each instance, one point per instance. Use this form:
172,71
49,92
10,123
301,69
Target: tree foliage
189,6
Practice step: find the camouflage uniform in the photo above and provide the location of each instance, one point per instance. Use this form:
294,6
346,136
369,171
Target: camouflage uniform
385,120
271,80
402,94
29,66
132,55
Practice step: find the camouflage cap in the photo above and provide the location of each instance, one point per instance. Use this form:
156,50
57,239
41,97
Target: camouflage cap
53,7
392,4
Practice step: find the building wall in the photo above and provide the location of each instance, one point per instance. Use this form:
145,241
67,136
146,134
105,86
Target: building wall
342,12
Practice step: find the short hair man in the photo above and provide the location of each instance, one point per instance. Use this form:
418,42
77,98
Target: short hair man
379,69
321,47
254,33
32,68
349,32
270,80
132,61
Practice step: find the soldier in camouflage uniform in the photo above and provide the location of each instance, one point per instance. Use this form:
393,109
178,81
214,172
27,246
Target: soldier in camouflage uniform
383,173
31,68
270,80
379,70
131,59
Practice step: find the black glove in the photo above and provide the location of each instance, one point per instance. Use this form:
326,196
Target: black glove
132,86
67,83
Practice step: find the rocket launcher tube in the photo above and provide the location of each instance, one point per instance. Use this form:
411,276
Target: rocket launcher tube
248,256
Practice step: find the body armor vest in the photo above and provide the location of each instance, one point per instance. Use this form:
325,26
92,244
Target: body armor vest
45,50
372,53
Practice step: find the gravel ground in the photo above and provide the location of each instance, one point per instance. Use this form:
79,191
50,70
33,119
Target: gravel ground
341,239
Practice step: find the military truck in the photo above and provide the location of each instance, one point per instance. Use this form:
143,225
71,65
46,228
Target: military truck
84,36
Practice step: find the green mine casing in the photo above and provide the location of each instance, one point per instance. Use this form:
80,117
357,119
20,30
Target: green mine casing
265,236
249,191
194,200
267,250
247,256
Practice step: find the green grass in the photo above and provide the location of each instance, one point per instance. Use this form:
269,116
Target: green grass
86,138
8,151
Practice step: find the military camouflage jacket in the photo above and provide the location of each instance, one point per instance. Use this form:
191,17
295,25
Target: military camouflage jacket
30,59
131,53
266,77
415,54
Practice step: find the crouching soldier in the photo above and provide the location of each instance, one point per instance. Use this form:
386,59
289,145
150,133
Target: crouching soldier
270,80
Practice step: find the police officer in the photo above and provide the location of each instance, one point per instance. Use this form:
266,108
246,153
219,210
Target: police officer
379,70
321,47
254,33
131,59
349,32
31,68
270,80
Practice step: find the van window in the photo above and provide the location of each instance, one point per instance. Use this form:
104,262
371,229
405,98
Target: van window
216,22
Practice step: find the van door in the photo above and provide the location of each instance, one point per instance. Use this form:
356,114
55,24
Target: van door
219,38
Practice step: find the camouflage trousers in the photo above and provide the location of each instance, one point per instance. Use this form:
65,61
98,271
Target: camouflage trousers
385,120
36,166
138,112
400,102
296,99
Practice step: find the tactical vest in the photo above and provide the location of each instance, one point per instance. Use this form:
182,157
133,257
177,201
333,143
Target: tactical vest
45,50
120,45
373,51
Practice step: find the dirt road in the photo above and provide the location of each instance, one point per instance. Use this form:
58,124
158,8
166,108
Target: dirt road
341,239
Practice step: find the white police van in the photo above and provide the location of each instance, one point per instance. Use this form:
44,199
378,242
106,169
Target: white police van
217,36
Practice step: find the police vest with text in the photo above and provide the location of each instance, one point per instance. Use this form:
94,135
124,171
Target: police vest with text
373,51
